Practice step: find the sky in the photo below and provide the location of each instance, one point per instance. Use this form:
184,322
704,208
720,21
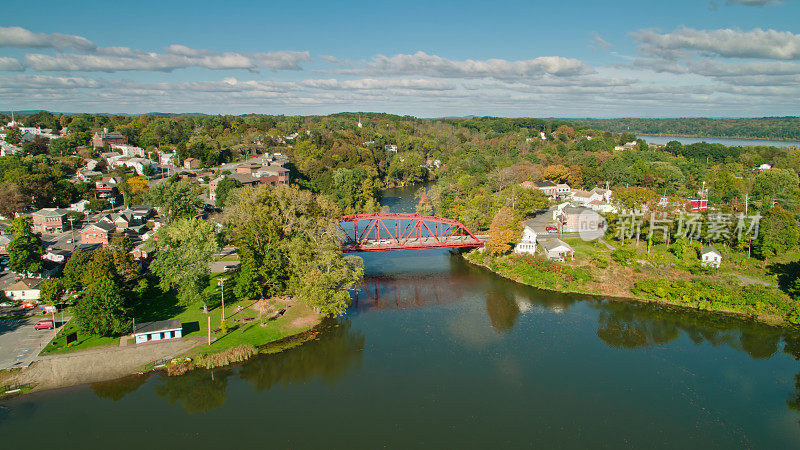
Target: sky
627,58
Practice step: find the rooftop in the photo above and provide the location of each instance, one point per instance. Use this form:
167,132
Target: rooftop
155,327
552,244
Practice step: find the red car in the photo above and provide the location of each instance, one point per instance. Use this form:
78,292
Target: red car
29,305
44,325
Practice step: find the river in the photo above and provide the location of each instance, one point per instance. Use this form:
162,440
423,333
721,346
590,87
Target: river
730,142
437,353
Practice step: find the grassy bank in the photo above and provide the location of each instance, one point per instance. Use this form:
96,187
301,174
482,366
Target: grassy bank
244,324
740,286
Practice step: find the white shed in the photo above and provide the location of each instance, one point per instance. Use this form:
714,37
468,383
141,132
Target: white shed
710,257
556,249
157,331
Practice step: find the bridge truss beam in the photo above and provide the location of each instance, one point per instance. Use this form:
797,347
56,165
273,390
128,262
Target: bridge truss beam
401,231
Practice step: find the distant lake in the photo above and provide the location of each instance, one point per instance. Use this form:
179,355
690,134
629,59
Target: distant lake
724,141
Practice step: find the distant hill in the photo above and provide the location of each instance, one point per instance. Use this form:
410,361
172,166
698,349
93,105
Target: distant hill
776,128
28,112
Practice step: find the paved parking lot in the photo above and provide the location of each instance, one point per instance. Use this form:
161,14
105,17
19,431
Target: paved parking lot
20,343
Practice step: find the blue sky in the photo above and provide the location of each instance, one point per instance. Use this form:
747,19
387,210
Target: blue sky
436,58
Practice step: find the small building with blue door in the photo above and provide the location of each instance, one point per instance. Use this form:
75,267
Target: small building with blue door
157,331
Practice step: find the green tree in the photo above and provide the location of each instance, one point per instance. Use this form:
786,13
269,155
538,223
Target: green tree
779,185
184,249
778,232
176,199
224,188
102,309
289,242
13,136
25,250
51,291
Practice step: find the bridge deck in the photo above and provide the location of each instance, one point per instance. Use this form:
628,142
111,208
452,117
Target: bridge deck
372,245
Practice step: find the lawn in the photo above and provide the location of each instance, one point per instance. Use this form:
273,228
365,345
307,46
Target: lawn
244,324
85,341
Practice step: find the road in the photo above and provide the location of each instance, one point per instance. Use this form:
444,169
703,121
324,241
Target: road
371,245
20,344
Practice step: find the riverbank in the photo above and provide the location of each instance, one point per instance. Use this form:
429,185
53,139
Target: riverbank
245,338
594,272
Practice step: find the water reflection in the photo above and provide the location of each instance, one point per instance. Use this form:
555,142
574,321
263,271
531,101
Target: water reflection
635,325
380,293
197,390
116,390
502,310
338,350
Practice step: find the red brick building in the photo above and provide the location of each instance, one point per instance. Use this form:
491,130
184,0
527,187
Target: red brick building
50,220
97,233
101,138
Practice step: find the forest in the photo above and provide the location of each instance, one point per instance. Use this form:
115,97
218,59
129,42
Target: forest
774,128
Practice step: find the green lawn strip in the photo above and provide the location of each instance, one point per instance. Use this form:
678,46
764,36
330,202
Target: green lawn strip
85,341
253,333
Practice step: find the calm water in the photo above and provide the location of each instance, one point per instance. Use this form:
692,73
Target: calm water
435,353
729,142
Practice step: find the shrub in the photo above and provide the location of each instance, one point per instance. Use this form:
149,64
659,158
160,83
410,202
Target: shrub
623,256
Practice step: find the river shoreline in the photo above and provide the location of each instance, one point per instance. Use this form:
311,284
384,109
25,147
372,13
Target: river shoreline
697,136
766,319
111,363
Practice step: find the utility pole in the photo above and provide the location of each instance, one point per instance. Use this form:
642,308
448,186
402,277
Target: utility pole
746,204
222,284
72,230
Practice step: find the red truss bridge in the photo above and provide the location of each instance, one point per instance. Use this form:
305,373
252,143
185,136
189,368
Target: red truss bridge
397,231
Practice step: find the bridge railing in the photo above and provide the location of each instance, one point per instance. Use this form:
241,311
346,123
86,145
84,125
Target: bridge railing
399,231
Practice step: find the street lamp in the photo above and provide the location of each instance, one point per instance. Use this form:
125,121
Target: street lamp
222,285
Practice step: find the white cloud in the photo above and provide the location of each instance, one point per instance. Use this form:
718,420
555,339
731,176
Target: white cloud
122,59
758,3
599,42
421,63
373,84
88,57
8,64
727,43
22,38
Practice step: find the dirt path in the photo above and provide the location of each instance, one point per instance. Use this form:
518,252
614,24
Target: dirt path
56,371
748,280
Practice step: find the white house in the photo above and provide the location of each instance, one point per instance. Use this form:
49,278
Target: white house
26,289
710,257
557,250
626,146
166,159
391,148
7,149
527,244
563,190
157,331
79,206
129,150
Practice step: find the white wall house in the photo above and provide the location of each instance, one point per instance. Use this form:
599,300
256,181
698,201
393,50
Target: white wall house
527,244
557,250
710,257
157,331
563,190
26,289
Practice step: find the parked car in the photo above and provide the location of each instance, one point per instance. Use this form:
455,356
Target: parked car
6,304
551,229
44,325
29,305
231,268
